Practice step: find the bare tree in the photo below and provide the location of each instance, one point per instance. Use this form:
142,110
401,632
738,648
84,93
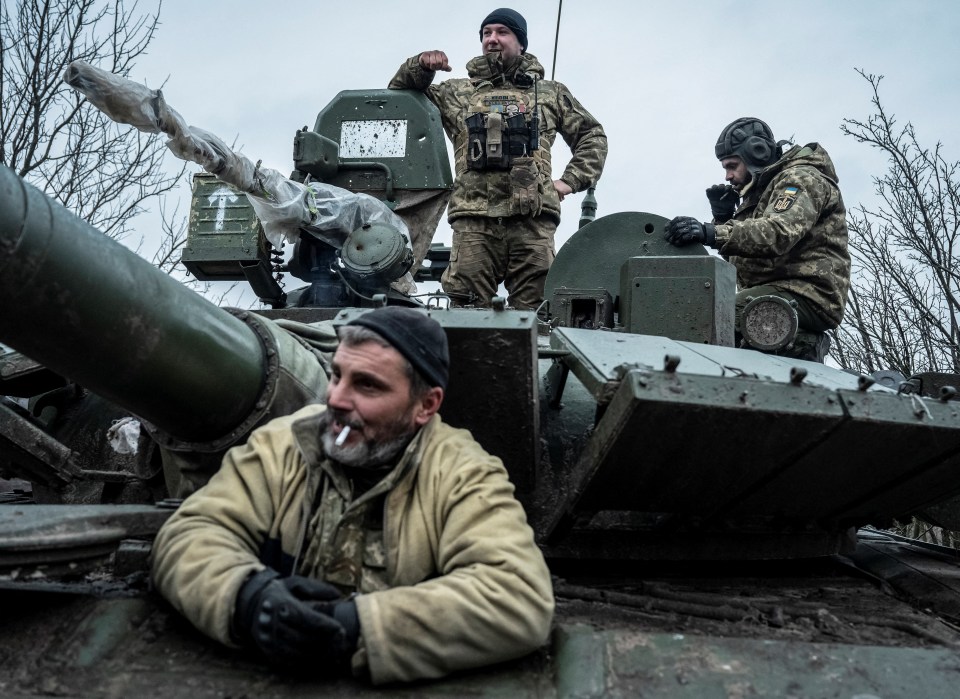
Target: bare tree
167,256
49,135
924,531
904,307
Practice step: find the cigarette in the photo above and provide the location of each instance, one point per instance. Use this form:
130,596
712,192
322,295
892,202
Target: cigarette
342,437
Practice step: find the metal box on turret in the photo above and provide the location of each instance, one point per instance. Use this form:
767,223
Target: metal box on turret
223,236
687,298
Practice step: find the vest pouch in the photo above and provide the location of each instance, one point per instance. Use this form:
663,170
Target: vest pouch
493,141
525,186
498,147
518,135
476,142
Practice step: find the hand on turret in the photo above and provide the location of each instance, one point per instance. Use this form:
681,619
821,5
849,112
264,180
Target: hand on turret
684,230
435,60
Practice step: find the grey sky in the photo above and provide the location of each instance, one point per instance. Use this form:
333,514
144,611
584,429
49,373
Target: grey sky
663,78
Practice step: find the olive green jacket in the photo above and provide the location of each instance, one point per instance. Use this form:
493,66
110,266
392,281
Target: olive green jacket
469,586
491,85
790,232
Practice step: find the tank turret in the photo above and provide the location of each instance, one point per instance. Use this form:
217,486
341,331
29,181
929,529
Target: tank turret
387,144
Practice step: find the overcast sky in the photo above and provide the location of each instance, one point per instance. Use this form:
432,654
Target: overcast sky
663,78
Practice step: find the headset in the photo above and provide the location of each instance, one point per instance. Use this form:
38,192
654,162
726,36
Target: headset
751,140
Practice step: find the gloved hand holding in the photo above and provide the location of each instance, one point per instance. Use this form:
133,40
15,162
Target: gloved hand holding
684,230
296,621
723,202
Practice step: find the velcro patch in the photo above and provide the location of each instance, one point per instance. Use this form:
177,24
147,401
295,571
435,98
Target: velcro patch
785,201
504,104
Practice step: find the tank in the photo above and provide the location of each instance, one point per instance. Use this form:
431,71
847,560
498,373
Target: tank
713,515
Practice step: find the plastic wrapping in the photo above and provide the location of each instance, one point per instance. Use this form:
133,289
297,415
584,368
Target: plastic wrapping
124,435
282,205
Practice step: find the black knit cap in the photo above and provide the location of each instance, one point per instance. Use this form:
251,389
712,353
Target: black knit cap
416,336
511,19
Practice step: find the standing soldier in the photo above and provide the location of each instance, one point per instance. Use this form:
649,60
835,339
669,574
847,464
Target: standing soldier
788,236
503,120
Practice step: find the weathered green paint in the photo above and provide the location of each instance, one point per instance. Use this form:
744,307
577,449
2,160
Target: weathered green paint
717,439
99,635
677,666
684,298
129,647
94,311
224,234
593,256
580,662
398,129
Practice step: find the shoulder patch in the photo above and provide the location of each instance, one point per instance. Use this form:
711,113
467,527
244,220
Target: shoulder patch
786,199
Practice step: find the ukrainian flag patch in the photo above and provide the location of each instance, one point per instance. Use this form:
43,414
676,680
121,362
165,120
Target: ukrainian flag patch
786,199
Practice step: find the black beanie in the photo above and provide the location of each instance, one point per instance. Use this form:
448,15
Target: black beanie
508,18
416,336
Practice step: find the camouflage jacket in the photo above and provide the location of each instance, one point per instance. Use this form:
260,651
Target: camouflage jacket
465,584
790,232
493,87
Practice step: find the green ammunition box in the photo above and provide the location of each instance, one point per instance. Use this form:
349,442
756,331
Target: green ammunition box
224,234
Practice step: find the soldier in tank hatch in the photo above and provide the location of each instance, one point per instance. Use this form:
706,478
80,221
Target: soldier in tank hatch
781,221
503,119
364,536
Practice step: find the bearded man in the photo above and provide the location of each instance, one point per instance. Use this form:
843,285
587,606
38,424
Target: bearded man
363,536
782,223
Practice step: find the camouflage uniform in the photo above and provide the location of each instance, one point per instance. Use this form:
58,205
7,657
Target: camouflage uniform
504,220
790,234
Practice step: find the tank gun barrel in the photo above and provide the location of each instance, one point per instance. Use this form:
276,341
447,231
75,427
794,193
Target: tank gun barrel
88,308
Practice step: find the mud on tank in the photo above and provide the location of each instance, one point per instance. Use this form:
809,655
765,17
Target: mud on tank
708,511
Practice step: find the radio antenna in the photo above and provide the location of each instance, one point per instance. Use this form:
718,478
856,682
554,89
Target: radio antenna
556,41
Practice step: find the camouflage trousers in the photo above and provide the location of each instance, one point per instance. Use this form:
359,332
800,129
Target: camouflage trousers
514,250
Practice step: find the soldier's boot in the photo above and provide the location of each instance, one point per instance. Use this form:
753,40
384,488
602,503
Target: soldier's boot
809,346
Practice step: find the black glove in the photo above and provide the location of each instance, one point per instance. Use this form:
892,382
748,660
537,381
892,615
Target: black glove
296,622
684,230
319,595
723,202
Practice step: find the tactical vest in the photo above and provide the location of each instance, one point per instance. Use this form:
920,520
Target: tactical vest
497,130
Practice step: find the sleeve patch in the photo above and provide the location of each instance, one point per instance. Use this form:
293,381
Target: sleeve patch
785,200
